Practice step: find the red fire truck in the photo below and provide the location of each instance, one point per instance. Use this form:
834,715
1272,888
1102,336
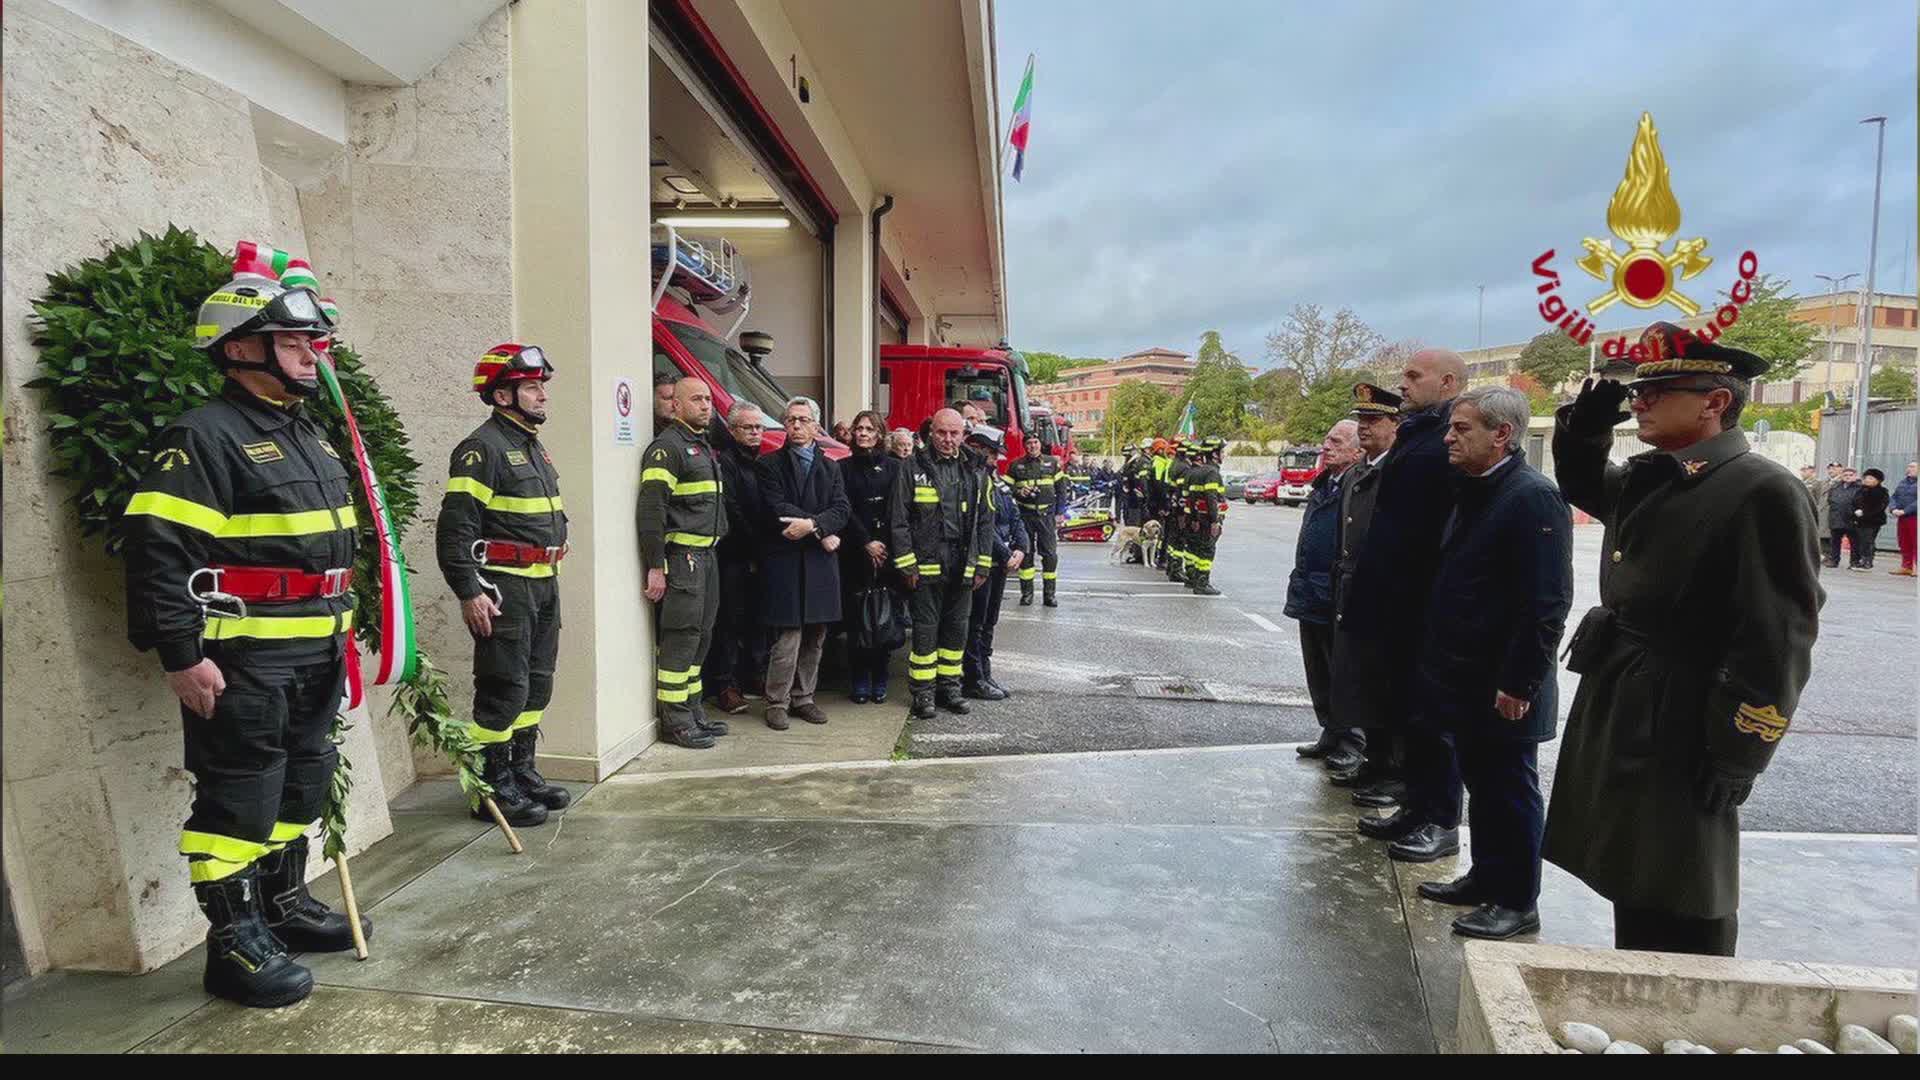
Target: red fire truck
917,381
1299,468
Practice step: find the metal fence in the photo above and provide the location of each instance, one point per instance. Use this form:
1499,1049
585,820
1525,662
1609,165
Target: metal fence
1892,438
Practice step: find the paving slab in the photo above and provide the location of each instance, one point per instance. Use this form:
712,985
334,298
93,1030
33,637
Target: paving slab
851,733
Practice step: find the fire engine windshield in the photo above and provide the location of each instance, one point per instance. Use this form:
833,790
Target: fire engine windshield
1299,459
736,373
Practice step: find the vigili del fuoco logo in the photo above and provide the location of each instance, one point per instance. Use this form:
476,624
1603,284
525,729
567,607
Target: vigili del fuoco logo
1644,215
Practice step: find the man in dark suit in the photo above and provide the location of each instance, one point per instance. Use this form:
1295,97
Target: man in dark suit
1388,602
736,663
1310,595
804,500
1487,667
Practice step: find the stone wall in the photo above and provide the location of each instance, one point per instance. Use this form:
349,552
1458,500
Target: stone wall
103,139
412,232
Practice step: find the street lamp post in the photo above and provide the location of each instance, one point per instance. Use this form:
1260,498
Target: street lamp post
1833,325
1856,432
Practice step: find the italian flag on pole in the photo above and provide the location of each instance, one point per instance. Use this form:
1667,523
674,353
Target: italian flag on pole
1022,120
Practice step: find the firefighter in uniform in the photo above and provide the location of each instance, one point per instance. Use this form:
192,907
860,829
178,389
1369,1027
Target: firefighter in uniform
1207,513
1040,490
682,515
1159,500
942,540
239,551
500,538
1177,540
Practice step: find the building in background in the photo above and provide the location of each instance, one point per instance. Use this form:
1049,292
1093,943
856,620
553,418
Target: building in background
1082,393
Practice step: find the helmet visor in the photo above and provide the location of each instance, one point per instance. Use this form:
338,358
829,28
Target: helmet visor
296,309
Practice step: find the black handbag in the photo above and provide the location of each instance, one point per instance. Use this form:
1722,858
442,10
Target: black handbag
877,628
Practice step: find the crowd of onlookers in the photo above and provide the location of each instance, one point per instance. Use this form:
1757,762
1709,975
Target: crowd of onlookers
1854,506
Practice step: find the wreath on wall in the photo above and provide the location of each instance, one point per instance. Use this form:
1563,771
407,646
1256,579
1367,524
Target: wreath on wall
118,364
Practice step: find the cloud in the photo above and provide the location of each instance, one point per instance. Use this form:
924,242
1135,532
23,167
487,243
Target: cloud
1211,170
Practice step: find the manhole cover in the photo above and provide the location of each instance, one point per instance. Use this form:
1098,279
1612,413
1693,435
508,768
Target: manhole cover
1170,687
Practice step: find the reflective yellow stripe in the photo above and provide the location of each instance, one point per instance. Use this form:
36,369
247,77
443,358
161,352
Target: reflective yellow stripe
229,849
677,678
675,697
907,560
177,510
657,475
486,736
691,539
1053,575
512,504
985,560
926,495
277,627
303,523
203,870
467,485
539,570
1026,573
920,674
928,569
952,654
530,718
694,688
284,831
950,669
697,487
920,658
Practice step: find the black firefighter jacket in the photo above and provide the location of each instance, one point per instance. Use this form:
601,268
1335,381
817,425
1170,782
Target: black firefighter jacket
936,510
501,486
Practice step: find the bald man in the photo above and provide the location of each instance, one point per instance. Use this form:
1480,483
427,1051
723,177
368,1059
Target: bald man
682,515
942,544
1394,573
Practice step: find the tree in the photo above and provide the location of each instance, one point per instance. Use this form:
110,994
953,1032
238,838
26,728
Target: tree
1219,388
1136,410
1313,347
1768,329
1045,367
1277,391
1893,382
1326,404
1795,417
1391,358
1552,358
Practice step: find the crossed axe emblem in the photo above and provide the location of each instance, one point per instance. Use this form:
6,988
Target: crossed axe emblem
1603,262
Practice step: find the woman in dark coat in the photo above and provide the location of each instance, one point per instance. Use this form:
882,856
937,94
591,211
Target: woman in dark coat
869,475
805,507
1869,516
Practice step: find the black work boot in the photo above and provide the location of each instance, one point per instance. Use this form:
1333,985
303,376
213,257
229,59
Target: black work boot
1049,600
1201,583
551,796
947,696
986,676
691,737
923,702
302,923
1026,592
974,685
515,804
245,962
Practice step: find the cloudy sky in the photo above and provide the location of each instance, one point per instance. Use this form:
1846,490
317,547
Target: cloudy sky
1211,163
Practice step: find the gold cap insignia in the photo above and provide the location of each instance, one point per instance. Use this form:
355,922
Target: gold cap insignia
1762,720
1363,393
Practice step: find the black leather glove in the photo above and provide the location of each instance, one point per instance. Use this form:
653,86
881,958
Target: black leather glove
1597,409
1720,789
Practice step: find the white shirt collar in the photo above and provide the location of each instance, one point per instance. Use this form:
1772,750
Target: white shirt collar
1373,461
1497,464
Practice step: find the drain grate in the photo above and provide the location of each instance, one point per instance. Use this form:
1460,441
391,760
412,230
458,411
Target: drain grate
1171,688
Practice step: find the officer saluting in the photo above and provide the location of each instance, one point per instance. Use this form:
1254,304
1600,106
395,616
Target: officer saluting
501,535
1691,668
239,549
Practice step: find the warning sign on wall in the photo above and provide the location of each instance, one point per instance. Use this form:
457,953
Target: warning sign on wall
623,432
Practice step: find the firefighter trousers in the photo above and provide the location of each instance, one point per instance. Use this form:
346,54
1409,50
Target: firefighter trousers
1200,547
263,763
1044,531
942,604
685,634
513,666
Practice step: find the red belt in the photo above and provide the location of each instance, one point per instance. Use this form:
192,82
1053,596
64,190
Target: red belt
273,584
510,553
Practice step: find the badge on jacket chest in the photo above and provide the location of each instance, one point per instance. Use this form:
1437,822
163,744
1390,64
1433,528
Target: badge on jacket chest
262,453
516,457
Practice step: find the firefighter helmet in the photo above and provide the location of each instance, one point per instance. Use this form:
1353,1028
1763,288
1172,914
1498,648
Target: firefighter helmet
252,304
510,363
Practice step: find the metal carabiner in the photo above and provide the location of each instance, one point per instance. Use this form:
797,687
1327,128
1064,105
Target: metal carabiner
214,595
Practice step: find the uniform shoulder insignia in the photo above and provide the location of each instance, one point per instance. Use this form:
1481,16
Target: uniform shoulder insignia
1764,721
326,447
172,457
472,457
659,455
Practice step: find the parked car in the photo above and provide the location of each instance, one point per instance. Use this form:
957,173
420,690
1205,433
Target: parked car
1262,488
1236,483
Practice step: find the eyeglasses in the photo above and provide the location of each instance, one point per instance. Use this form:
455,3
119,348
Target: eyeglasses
792,420
1652,392
748,427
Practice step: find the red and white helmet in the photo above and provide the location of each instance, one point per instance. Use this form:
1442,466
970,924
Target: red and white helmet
510,363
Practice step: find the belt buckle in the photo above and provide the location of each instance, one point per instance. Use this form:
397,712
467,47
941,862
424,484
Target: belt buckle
556,553
214,595
336,582
479,551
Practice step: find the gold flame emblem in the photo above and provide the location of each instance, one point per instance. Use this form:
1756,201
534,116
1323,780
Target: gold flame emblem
1645,214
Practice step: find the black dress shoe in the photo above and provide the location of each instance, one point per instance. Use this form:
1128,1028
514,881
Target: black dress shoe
1358,776
1491,922
1392,827
1345,759
1425,844
1462,890
1321,747
1383,793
